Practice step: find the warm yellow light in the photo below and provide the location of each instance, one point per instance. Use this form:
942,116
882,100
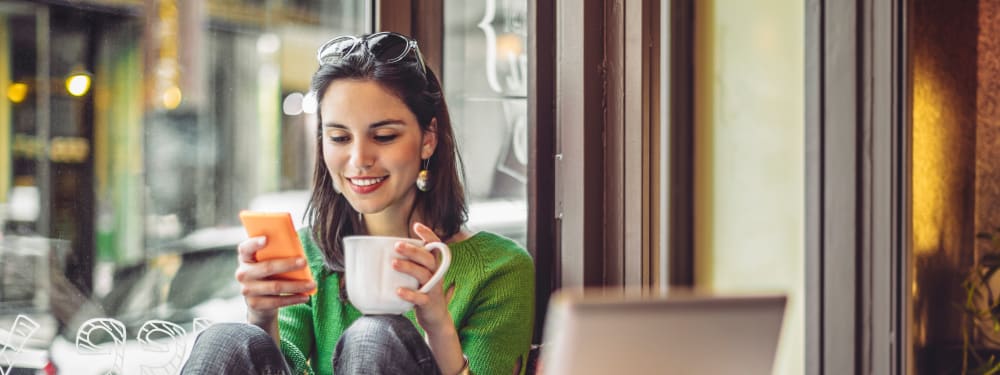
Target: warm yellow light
509,45
17,92
934,166
78,84
172,97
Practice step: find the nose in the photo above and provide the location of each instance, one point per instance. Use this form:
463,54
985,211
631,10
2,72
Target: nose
362,155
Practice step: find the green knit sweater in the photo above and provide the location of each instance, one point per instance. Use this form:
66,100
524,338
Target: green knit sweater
492,306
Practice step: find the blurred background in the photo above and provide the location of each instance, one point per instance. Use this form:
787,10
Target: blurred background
138,129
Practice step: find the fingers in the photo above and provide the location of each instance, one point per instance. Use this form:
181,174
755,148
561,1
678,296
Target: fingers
425,233
260,293
419,263
248,272
270,288
268,295
274,302
421,299
413,296
248,249
419,272
417,254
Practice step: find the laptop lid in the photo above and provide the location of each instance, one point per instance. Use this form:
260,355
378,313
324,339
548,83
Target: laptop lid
688,334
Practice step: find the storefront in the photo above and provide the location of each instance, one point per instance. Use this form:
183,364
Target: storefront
617,141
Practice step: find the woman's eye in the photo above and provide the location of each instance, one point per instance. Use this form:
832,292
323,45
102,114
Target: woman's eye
339,138
385,138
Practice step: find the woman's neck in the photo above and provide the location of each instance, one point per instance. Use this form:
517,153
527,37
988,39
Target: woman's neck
393,222
387,225
396,220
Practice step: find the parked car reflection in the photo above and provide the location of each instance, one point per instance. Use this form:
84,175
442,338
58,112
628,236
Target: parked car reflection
156,309
30,273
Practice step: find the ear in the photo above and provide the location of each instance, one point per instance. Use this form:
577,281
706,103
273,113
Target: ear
429,141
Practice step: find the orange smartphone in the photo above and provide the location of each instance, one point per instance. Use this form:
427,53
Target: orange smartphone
282,241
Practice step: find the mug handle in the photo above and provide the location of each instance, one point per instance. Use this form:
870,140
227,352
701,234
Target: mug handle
442,268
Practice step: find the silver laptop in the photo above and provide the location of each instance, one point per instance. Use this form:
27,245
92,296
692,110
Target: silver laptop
590,333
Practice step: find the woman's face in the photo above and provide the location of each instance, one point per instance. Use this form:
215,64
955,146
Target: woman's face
372,146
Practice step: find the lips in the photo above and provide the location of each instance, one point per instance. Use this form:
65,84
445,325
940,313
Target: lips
365,184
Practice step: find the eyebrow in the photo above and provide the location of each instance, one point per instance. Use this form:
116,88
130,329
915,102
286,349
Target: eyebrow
374,125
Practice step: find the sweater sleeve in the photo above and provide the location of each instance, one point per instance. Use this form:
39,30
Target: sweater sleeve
295,328
498,332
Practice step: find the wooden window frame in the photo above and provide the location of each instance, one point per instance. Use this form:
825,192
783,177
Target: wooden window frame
857,165
592,207
678,268
543,240
606,108
422,20
857,173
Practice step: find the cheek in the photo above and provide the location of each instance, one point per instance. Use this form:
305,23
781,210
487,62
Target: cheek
333,158
407,161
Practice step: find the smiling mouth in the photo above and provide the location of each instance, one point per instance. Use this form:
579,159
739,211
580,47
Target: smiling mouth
365,185
365,182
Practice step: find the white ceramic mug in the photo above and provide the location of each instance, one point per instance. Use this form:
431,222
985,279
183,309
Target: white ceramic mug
371,280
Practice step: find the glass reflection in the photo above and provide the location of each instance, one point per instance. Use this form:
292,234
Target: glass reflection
136,131
485,78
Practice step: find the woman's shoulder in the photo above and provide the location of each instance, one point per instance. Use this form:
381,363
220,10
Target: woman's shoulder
492,248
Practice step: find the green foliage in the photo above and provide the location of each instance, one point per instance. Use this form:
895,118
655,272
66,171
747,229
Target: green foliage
982,321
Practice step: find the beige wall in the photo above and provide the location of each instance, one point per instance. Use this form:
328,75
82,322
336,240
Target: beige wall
749,152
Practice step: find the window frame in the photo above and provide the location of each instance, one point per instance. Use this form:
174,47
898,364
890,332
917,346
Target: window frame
857,142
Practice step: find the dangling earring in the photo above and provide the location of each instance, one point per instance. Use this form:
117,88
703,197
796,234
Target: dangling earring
423,179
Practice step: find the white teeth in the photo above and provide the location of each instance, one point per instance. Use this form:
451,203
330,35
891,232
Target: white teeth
366,181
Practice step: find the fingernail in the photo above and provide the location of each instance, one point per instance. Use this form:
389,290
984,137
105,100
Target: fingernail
262,241
300,262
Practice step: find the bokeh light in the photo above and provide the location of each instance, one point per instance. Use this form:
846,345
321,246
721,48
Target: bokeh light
78,84
309,103
172,97
292,105
17,92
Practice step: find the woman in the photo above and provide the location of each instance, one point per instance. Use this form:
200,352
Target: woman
389,167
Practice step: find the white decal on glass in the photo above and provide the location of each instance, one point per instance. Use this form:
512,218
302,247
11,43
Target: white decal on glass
162,337
115,329
22,330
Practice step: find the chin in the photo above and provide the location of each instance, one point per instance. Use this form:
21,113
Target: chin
366,208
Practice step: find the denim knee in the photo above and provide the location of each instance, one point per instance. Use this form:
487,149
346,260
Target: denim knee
235,348
396,326
383,344
225,334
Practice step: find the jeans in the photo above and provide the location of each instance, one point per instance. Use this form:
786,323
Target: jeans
374,344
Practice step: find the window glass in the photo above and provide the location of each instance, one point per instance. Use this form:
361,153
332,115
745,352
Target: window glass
137,131
486,84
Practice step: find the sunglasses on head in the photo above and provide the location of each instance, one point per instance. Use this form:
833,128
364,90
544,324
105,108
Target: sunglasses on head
386,46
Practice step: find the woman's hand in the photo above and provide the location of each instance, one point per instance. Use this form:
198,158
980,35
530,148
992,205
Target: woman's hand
431,308
263,295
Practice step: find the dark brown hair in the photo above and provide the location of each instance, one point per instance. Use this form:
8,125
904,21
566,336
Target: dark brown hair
443,207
